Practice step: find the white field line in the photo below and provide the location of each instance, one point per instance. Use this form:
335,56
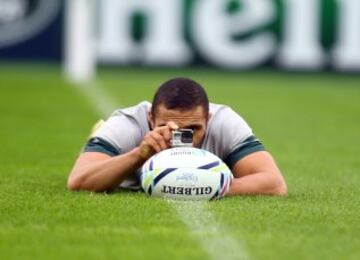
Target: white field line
101,101
218,243
214,238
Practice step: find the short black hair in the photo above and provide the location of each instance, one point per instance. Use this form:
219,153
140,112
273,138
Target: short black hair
182,94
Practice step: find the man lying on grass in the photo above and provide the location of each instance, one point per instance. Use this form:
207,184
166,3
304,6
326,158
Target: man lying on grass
119,147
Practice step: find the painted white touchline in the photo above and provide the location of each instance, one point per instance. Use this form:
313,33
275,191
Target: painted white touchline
102,102
214,238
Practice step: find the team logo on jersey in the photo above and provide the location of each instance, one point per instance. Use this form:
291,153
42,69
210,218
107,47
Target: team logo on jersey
23,19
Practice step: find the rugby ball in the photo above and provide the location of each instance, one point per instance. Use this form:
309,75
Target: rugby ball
186,173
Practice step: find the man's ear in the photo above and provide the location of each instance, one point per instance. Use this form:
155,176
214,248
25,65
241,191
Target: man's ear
151,119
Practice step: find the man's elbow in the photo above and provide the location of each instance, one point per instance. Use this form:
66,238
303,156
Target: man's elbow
76,184
73,184
280,188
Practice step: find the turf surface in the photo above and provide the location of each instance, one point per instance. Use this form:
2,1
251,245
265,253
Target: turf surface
309,122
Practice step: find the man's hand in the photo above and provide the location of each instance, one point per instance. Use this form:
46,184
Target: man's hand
157,140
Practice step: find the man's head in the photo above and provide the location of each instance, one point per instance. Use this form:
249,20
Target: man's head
184,102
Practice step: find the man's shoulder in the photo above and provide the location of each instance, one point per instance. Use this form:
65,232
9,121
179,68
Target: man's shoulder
221,112
227,131
136,110
133,118
214,107
125,127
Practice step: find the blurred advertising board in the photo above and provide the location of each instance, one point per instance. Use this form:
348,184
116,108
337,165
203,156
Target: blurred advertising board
31,30
244,34
230,34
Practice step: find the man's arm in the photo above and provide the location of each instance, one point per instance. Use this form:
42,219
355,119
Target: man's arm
98,172
95,171
257,174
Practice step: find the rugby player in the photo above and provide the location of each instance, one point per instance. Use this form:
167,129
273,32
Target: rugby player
118,148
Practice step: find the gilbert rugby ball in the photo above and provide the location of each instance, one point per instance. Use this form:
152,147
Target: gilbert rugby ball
186,173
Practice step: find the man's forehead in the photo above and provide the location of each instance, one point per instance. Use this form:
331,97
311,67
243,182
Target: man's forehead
194,114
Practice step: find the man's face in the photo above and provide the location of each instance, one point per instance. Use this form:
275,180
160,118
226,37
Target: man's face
195,119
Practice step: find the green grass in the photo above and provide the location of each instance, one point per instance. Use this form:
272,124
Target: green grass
309,122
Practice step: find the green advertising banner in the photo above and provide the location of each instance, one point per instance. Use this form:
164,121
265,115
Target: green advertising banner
232,34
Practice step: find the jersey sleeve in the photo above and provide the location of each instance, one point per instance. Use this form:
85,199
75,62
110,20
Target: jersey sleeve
119,134
234,137
100,145
248,146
